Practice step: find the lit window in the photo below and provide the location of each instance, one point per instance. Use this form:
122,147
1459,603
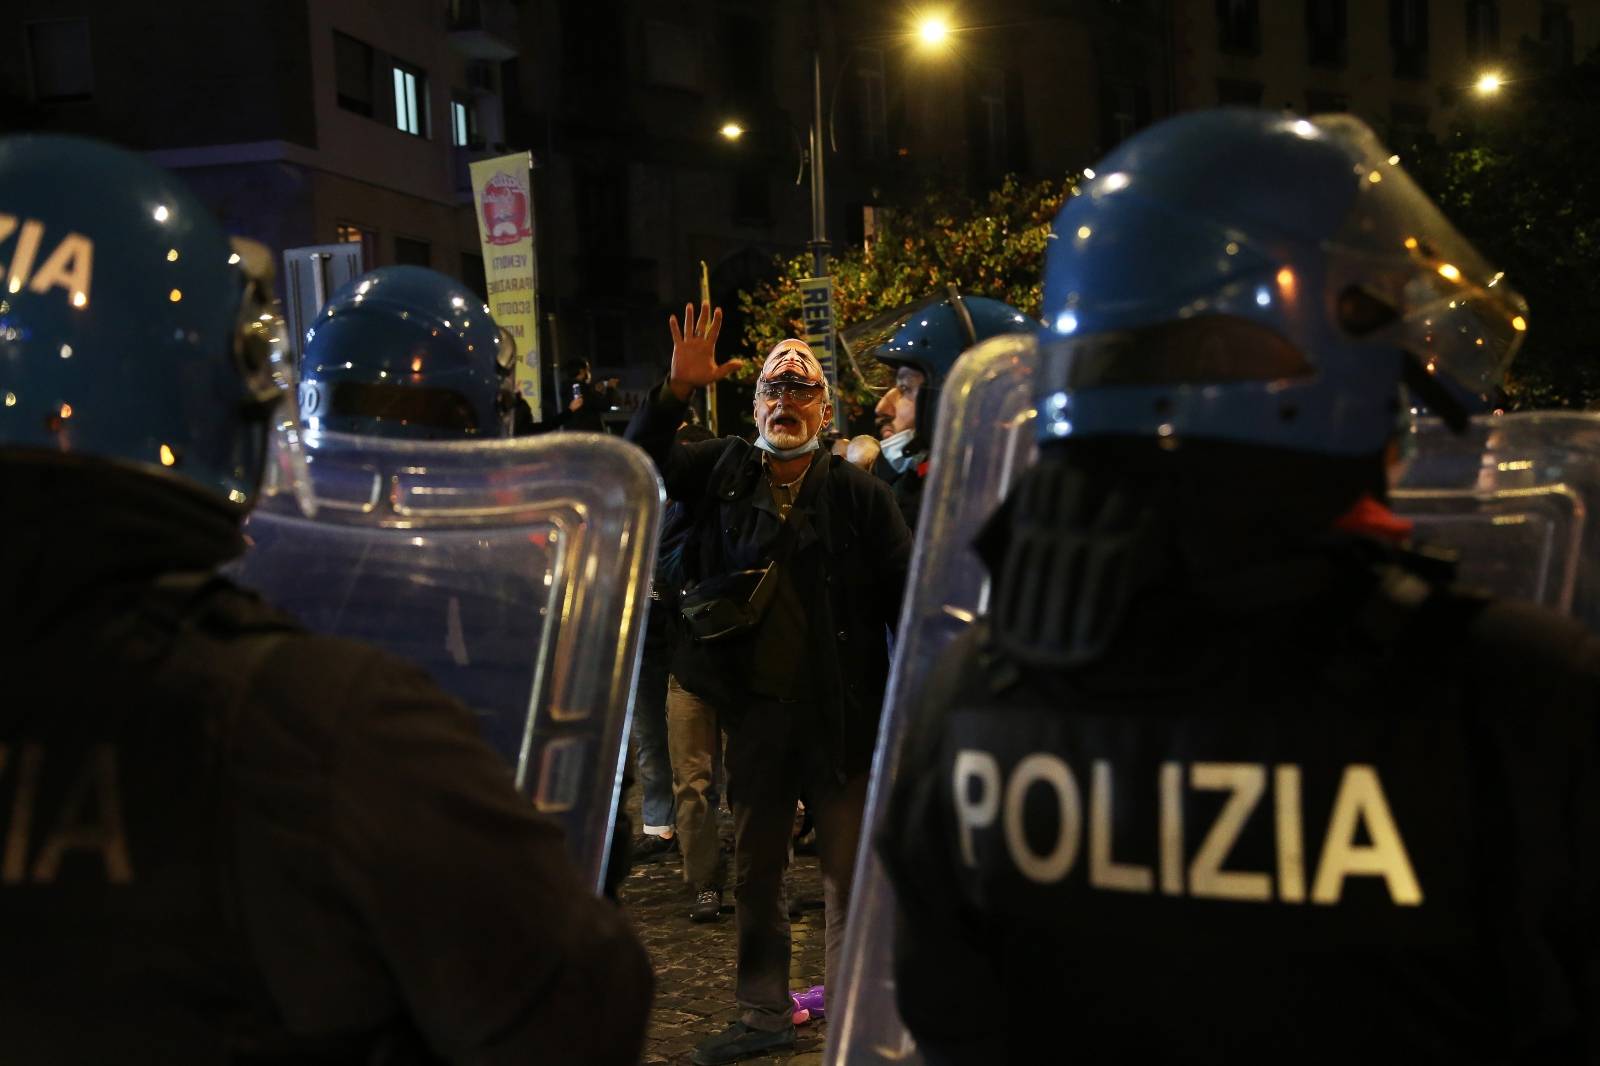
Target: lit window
458,124
350,233
410,100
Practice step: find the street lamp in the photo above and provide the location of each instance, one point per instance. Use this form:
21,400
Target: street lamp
1488,83
933,31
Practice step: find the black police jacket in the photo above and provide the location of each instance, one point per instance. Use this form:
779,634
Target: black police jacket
1335,821
907,486
848,563
223,840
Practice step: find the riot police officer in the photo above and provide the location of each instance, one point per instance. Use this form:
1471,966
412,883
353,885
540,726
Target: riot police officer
227,839
404,351
921,342
1228,773
408,353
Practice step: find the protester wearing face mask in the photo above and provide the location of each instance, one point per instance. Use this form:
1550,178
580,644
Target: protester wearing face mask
796,567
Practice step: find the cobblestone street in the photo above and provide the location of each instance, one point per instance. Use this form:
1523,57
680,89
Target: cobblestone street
694,963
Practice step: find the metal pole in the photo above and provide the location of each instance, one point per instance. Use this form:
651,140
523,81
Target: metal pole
711,389
819,220
819,213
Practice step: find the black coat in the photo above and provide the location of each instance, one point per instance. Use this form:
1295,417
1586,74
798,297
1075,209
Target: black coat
848,564
305,851
1478,720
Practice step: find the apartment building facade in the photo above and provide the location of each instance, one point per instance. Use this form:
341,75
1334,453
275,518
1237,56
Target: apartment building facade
298,122
1403,66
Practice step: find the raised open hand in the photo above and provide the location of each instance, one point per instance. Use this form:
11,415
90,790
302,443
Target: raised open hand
694,351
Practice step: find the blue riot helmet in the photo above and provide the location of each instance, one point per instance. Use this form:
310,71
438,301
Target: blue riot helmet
131,331
404,351
929,336
1249,276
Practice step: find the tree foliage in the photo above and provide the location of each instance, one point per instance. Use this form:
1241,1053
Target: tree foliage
1519,175
993,246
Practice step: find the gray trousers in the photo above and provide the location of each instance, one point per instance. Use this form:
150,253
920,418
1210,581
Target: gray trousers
773,759
696,748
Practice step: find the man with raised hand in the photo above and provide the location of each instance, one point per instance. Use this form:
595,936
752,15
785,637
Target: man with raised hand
797,563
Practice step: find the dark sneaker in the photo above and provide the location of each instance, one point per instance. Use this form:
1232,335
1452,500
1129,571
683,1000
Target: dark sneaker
653,849
739,1041
707,907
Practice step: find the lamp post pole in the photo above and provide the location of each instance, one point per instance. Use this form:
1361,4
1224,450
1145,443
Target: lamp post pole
822,323
819,213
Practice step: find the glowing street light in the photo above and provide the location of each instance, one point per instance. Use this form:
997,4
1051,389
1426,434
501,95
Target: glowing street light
1488,83
731,131
933,31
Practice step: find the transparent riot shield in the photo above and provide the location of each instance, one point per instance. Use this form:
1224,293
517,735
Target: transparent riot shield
515,572
985,439
1515,497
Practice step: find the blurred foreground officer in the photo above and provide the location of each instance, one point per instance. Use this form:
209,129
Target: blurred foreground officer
404,351
1227,774
227,840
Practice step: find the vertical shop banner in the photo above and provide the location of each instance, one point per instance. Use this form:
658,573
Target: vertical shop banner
816,310
503,194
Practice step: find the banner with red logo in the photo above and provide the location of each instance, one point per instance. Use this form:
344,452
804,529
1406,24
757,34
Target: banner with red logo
504,199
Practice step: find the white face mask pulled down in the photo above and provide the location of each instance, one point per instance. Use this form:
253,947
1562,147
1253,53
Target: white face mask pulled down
788,453
893,450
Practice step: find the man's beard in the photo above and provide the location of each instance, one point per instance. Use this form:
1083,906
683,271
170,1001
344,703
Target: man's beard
786,431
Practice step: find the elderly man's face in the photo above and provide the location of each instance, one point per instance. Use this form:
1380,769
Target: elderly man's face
791,403
897,411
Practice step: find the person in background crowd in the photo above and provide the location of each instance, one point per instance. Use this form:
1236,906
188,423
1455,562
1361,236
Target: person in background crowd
231,840
798,562
585,408
1228,774
657,778
863,452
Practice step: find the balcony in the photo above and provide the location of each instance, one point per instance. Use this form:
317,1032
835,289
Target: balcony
483,29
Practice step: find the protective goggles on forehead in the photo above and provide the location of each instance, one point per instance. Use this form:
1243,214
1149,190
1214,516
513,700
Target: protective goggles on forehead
790,390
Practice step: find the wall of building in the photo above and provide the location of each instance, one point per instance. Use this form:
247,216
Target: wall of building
620,100
241,98
200,73
1366,82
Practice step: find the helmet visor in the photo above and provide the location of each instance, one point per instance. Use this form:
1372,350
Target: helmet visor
1444,304
869,339
353,404
505,350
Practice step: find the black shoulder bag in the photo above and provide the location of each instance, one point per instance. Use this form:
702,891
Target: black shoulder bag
730,605
733,604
